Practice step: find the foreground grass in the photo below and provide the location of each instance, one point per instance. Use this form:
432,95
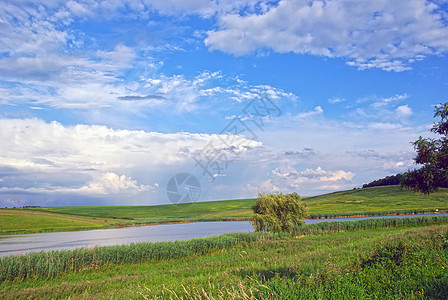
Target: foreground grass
393,263
369,201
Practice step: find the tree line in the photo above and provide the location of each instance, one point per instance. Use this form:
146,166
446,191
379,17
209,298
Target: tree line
432,156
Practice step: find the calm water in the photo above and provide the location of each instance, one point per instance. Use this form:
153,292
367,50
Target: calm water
24,243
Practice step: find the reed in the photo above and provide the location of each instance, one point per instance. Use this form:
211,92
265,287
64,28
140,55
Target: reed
51,263
376,213
342,226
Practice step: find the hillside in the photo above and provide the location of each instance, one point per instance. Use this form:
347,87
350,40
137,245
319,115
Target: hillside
372,199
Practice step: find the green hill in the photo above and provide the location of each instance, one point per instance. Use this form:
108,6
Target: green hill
375,199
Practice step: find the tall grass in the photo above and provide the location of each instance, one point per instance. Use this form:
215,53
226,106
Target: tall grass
49,264
341,226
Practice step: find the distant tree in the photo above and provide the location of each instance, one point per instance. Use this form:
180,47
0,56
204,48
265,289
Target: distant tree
432,154
278,212
388,180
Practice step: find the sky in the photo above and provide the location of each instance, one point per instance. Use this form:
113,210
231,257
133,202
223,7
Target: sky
105,102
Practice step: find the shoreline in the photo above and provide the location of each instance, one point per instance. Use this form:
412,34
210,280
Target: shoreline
114,226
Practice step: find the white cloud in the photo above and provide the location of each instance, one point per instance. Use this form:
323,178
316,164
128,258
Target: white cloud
396,97
377,34
107,184
336,100
403,111
388,101
60,66
317,111
40,157
111,183
289,179
382,110
205,8
186,93
78,9
297,179
264,187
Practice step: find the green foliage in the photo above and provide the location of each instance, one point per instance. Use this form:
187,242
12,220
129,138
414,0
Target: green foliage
388,180
278,212
432,154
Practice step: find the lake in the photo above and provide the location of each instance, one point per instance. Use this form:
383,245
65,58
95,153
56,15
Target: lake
24,243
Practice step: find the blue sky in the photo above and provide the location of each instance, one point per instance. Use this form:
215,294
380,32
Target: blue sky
102,102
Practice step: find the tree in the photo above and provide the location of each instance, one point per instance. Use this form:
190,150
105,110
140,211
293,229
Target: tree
278,212
433,155
388,180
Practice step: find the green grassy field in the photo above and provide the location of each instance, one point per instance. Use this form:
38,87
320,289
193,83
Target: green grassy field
376,200
388,263
178,212
25,221
383,198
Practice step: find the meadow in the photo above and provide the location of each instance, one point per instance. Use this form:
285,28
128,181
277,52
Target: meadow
377,199
388,200
25,221
406,260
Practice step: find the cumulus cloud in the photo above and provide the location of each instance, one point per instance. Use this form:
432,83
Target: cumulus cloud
403,111
111,183
107,184
296,179
264,187
41,157
289,179
389,35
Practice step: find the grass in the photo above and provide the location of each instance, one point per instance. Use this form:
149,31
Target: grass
391,263
375,199
214,210
53,263
25,221
386,200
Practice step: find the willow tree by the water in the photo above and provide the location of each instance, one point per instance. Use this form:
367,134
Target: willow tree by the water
278,212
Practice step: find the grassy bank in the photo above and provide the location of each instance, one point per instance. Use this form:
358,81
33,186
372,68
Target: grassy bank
387,200
393,263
